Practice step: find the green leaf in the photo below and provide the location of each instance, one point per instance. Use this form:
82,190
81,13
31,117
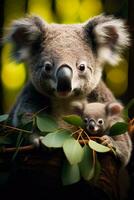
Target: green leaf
118,129
3,117
98,147
70,173
73,151
87,169
126,109
46,123
56,139
74,120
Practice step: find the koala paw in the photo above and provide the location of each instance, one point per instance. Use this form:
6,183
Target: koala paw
107,141
35,140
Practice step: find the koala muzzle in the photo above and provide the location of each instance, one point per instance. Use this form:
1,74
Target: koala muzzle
92,127
64,77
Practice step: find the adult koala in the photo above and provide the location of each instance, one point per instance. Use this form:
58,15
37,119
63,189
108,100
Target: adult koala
65,63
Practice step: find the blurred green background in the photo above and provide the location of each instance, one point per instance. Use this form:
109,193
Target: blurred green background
13,76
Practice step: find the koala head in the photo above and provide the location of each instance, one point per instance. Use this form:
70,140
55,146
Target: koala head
98,117
67,60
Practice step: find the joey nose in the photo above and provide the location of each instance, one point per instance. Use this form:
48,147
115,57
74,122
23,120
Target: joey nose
64,78
92,125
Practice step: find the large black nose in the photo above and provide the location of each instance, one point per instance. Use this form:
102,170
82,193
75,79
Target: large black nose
64,77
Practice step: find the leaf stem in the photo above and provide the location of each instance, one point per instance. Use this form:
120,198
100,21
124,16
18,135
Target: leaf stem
20,149
95,137
87,135
75,132
94,157
36,113
79,135
14,128
83,140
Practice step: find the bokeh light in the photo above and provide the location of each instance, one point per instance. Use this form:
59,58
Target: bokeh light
90,8
13,77
117,77
68,11
41,8
76,10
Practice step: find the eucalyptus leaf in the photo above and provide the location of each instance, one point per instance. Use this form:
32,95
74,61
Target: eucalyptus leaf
73,151
3,117
56,139
46,123
118,129
70,173
98,147
74,120
87,168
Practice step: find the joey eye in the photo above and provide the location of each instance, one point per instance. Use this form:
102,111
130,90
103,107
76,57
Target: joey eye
100,121
86,120
82,67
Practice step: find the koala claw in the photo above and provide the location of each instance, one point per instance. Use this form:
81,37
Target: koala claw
107,141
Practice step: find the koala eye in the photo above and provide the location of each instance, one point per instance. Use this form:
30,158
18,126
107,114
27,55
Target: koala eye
48,67
82,67
100,121
86,120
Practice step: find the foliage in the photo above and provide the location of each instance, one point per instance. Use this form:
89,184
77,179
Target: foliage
79,148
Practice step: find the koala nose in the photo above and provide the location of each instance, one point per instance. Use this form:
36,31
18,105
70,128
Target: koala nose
64,77
92,125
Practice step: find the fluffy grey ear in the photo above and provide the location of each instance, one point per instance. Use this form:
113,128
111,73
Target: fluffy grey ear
108,36
23,33
114,108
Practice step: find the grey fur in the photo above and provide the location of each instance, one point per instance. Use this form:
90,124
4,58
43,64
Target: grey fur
37,43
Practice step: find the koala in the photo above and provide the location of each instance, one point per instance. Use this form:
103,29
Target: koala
65,64
99,118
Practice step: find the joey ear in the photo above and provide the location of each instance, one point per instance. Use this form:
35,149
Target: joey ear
108,36
114,108
23,33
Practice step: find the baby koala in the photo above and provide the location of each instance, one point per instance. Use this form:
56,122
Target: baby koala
99,118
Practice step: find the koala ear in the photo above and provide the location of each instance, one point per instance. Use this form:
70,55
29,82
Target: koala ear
23,33
114,108
108,36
